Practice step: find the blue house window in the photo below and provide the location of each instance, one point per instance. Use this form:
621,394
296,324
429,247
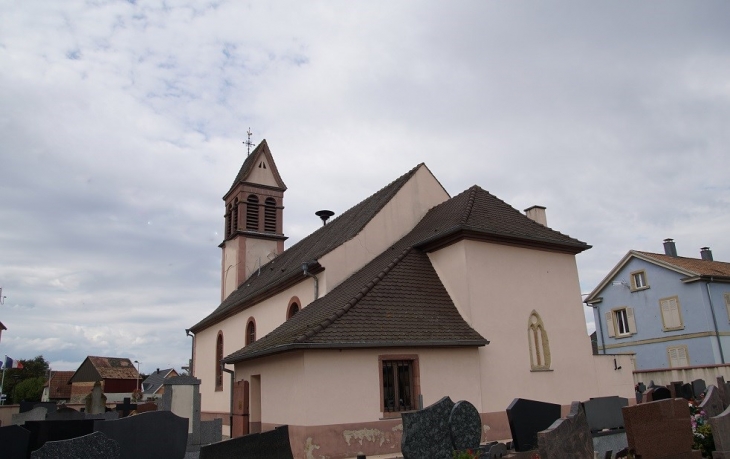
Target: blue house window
638,280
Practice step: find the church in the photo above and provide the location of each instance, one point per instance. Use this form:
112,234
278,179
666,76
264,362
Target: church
407,297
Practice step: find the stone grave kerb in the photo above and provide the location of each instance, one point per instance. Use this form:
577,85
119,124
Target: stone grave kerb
182,397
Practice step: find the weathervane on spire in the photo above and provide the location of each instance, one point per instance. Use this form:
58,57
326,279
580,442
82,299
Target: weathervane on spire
248,142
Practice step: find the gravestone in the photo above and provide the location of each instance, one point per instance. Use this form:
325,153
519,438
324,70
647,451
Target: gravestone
148,435
723,391
660,393
698,387
126,407
14,442
273,444
36,414
64,413
465,426
687,392
605,412
568,437
45,431
95,445
95,402
108,416
146,407
211,431
528,417
182,397
712,403
426,432
27,406
720,425
640,389
494,450
660,429
675,388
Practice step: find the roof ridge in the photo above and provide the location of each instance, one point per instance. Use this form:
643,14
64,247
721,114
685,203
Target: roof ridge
354,300
469,205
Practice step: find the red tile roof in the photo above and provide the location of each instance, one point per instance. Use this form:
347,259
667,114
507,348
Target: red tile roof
58,386
695,266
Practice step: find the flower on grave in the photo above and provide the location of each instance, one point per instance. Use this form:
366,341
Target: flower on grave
467,454
701,431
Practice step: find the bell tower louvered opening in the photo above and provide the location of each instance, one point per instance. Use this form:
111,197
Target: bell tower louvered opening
270,215
252,213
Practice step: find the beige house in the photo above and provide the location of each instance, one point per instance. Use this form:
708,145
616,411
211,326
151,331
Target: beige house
408,296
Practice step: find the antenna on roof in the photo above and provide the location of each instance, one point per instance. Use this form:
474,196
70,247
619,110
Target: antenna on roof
324,215
248,142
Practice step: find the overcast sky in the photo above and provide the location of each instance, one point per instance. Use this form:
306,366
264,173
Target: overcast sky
122,122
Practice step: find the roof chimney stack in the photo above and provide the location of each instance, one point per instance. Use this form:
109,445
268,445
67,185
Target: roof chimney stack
670,248
706,254
324,215
537,213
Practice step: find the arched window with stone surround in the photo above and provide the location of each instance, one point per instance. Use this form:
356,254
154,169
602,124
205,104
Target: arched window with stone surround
539,343
270,215
250,331
218,358
252,213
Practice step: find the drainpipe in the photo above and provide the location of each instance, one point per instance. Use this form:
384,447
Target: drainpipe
599,328
192,350
305,271
233,377
714,321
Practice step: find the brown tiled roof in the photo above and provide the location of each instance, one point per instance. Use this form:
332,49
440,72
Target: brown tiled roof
398,299
58,386
114,367
249,163
694,266
287,266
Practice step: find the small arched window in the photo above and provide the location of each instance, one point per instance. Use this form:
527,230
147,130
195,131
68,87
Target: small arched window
250,331
270,215
293,309
218,358
539,343
252,213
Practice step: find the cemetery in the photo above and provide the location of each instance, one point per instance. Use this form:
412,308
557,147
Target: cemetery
689,420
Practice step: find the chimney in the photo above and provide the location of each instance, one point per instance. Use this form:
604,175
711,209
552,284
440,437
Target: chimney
537,213
669,247
706,254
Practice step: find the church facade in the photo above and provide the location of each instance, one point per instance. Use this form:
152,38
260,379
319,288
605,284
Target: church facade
409,296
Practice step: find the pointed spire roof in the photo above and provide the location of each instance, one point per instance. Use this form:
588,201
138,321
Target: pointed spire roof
260,152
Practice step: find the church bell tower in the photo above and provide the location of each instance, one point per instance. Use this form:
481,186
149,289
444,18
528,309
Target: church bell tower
253,219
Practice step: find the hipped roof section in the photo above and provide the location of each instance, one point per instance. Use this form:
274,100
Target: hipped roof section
287,266
398,300
692,268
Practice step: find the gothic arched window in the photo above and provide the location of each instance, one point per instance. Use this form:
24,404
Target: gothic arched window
539,343
252,213
250,331
218,358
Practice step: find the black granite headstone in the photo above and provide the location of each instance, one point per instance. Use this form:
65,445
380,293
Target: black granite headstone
661,393
605,412
44,431
14,442
273,444
426,432
698,387
27,406
148,435
64,414
96,445
126,407
527,418
465,426
687,392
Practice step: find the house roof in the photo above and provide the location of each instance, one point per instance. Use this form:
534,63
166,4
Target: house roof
693,268
397,299
58,385
94,368
248,165
153,382
286,267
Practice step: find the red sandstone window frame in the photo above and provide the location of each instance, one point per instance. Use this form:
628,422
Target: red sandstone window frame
218,358
250,331
414,386
293,302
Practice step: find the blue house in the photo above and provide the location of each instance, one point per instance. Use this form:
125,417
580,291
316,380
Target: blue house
670,312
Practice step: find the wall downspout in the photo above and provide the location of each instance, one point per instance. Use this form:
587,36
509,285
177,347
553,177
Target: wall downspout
192,350
599,328
714,321
230,416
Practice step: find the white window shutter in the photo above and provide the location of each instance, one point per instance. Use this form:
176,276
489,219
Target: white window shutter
682,357
609,324
632,322
670,313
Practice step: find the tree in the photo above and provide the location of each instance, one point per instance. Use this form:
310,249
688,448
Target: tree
29,390
32,368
